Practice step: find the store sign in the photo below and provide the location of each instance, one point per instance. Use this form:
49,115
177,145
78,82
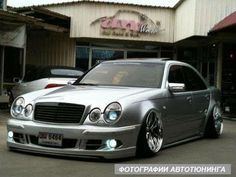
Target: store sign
124,27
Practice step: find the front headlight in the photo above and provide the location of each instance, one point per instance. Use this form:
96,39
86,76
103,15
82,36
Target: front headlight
19,110
18,107
28,110
112,112
94,115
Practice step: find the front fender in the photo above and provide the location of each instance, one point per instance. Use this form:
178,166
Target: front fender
135,113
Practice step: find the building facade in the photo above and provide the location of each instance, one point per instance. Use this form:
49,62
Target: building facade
106,31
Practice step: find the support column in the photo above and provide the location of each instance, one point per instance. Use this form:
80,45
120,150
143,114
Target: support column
23,59
125,54
90,57
2,69
219,66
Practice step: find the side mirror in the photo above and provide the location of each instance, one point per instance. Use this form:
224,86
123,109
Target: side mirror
17,80
176,87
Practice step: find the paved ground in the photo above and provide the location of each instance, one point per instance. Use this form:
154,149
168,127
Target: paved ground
203,151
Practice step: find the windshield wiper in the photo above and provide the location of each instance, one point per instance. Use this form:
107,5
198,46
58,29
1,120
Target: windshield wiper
87,84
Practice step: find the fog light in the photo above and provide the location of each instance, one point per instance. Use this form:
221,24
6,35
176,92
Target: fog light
10,134
111,143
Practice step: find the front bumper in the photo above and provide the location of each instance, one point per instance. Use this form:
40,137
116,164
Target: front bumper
78,140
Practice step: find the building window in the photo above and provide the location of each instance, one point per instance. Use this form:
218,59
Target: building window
136,54
82,58
89,54
188,55
99,55
167,52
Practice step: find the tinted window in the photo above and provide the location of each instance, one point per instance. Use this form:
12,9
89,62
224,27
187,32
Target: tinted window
136,54
133,74
82,57
194,82
176,74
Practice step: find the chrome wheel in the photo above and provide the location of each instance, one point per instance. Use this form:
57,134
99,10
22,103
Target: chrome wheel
218,121
154,132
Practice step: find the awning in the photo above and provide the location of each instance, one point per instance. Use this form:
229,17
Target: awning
33,22
12,34
45,15
227,24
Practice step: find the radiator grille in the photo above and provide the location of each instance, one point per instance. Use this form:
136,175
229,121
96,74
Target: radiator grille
58,112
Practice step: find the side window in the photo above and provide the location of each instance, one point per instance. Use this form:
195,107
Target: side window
194,82
176,74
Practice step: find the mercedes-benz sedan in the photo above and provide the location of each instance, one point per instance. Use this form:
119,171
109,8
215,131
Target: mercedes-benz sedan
117,109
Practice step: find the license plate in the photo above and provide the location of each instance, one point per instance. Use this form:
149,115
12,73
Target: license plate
50,139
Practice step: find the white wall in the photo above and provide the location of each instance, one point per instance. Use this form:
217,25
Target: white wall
191,18
198,17
184,20
210,12
84,13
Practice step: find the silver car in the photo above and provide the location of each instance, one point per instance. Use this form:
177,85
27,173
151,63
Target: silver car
43,77
118,109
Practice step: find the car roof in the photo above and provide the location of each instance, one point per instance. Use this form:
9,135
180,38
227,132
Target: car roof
147,60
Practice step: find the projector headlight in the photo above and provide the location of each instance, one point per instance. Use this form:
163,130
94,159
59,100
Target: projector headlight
112,112
28,110
19,110
18,107
94,115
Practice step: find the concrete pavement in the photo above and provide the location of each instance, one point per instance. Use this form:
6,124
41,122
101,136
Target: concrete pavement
202,151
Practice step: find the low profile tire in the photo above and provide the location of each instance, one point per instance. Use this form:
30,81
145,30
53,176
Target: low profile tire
151,136
214,127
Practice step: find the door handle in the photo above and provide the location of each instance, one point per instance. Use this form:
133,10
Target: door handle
189,98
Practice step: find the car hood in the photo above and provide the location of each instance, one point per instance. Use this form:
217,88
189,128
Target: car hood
89,95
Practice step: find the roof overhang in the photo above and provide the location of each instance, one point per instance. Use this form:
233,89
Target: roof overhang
178,4
36,23
45,15
228,24
193,41
62,3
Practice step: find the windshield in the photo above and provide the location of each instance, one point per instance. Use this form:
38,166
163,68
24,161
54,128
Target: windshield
133,74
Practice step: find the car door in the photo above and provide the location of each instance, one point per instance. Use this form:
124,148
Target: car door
200,96
179,108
